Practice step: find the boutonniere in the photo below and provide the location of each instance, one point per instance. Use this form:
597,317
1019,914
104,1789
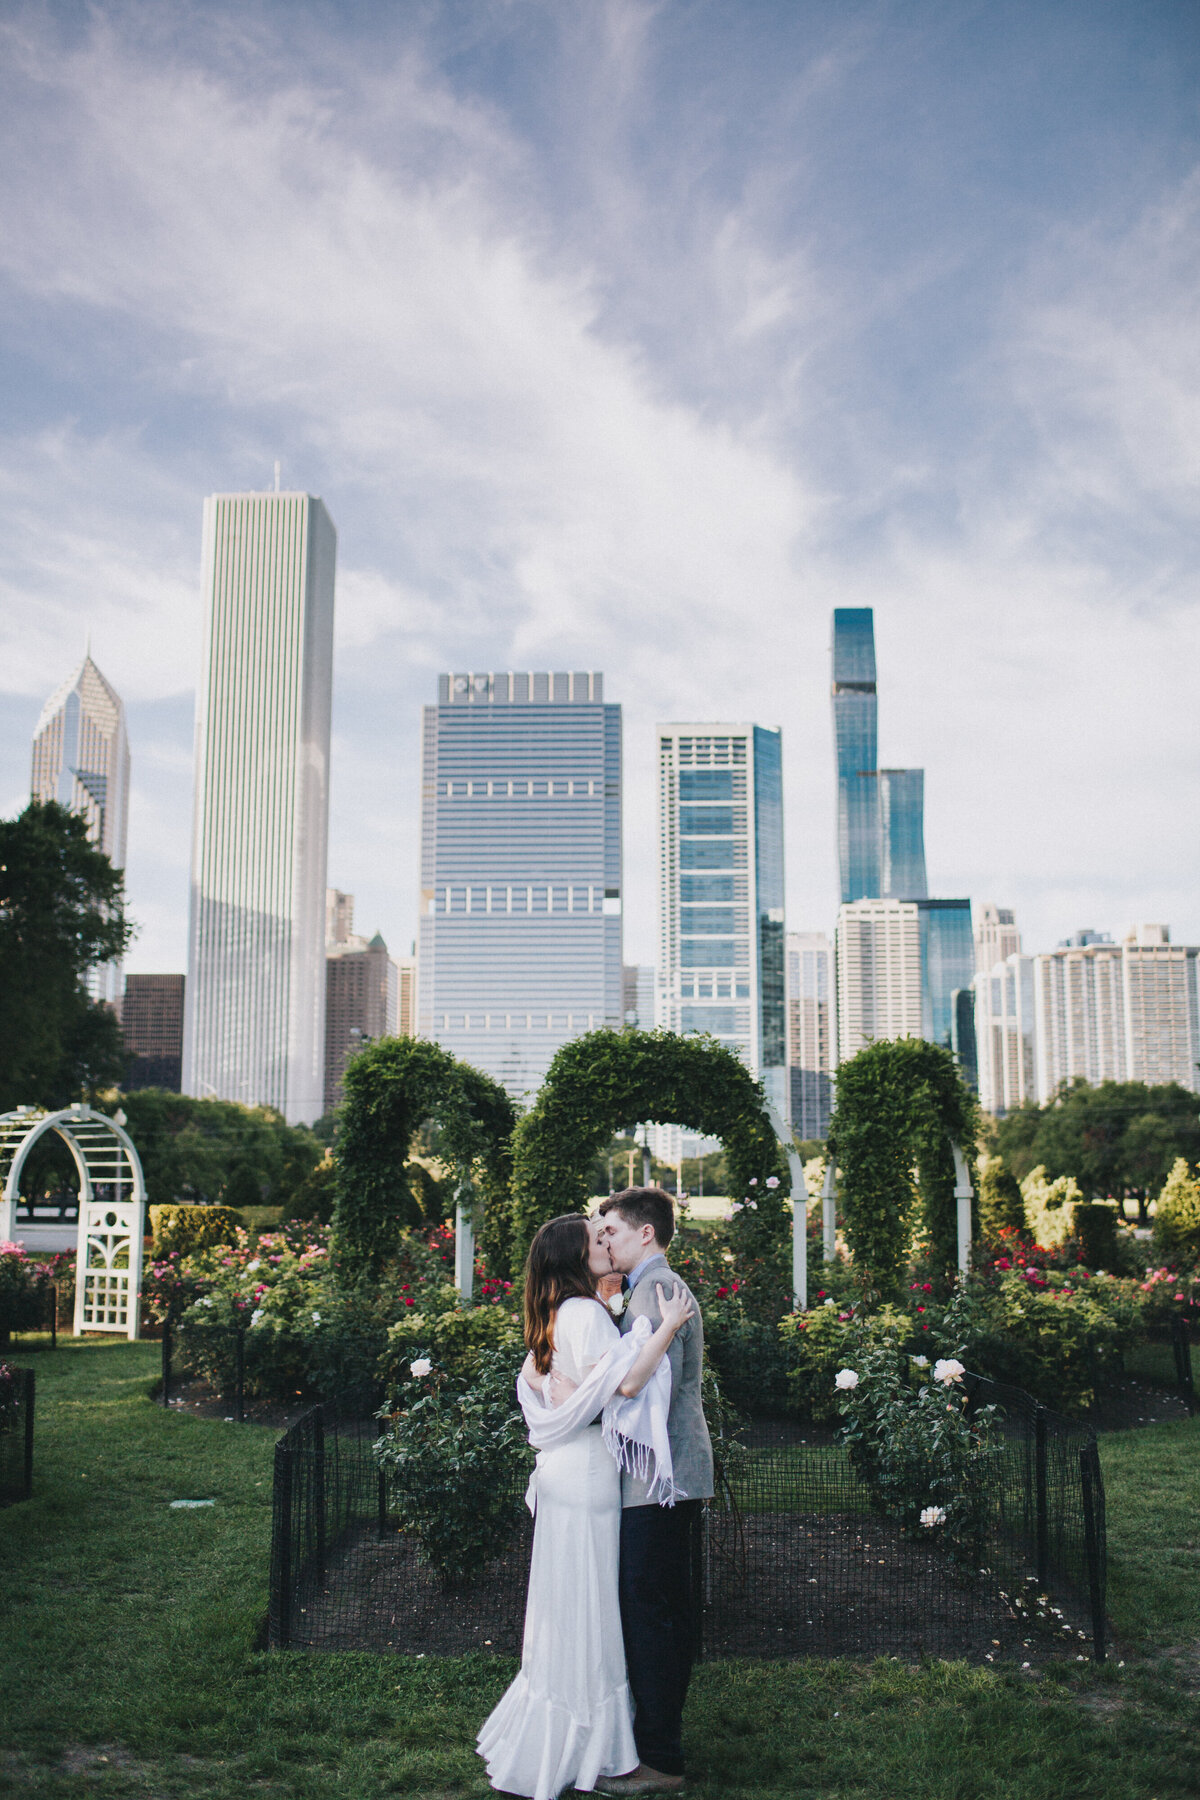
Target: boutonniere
616,1302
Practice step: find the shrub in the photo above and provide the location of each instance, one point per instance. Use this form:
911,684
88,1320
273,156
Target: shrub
1095,1228
453,1454
1001,1206
457,1337
818,1342
1049,1206
9,1404
1171,1294
924,1456
186,1229
1177,1216
25,1283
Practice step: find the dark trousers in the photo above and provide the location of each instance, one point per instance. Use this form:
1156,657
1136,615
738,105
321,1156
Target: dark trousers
658,1622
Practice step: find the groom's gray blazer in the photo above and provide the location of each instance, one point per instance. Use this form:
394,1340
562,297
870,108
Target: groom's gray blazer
691,1448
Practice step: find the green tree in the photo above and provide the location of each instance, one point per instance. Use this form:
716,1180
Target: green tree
1177,1216
1119,1138
217,1152
1000,1202
62,911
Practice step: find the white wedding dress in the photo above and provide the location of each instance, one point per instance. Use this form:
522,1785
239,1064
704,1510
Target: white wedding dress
568,1716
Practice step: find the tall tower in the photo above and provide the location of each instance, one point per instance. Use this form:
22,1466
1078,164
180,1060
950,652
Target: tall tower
811,1031
856,745
81,759
254,1028
902,833
721,928
520,946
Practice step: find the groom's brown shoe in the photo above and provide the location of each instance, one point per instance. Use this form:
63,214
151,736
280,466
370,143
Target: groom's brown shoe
642,1780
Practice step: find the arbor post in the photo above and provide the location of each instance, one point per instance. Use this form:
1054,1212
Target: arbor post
829,1213
799,1211
962,1194
464,1240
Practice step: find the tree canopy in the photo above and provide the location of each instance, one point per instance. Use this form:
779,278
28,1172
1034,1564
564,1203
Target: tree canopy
62,911
1118,1138
217,1152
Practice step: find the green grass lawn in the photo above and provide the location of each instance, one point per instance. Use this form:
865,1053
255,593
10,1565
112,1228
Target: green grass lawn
128,1666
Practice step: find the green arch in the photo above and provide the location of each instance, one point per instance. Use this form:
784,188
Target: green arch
391,1089
900,1107
607,1079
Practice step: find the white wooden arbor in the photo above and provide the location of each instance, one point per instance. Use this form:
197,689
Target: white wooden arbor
112,1205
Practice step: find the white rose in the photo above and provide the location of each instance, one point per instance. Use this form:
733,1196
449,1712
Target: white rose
316,1318
422,1366
846,1378
250,1267
772,1181
948,1369
920,1362
831,1303
206,1300
616,1303
256,1315
933,1515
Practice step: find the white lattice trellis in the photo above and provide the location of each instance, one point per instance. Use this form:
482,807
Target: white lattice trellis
112,1204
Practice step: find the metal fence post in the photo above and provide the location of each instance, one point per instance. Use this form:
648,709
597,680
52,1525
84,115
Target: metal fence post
239,1374
1093,1501
280,1609
166,1361
383,1508
1181,1346
29,1390
1041,1497
54,1315
318,1442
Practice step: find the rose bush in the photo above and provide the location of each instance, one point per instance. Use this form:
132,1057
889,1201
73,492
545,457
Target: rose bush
25,1287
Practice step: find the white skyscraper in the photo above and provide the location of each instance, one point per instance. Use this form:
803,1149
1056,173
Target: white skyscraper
81,759
721,956
879,986
1006,1034
255,1022
811,1031
996,936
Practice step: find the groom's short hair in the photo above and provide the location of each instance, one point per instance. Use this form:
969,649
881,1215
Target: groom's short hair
645,1206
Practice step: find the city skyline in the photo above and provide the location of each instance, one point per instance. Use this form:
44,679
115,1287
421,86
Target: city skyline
898,317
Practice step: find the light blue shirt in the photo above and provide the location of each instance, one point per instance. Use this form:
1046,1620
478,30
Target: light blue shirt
635,1274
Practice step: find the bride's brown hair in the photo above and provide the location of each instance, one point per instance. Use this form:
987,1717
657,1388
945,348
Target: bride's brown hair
555,1270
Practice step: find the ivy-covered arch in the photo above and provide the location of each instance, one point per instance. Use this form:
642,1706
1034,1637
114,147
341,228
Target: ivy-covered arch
901,1107
609,1079
392,1088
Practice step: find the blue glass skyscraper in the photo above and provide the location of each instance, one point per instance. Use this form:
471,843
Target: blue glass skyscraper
902,833
947,966
520,945
721,898
856,745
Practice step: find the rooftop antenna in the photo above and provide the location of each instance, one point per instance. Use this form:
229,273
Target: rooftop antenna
276,474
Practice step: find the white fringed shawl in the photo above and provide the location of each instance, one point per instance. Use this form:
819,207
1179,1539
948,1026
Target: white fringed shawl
633,1429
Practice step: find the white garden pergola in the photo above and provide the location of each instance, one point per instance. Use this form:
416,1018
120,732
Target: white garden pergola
112,1205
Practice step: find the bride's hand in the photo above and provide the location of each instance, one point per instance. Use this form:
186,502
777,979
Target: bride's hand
676,1310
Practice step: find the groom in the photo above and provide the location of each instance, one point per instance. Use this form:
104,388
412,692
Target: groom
657,1615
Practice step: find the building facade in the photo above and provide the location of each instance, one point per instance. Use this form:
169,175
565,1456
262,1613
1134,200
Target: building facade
996,936
637,989
362,1004
81,759
1006,1034
520,907
721,896
811,1032
152,1027
879,977
254,1027
1118,1012
880,812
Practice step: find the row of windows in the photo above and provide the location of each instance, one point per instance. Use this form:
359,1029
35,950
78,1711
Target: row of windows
703,919
571,786
512,1021
711,821
526,898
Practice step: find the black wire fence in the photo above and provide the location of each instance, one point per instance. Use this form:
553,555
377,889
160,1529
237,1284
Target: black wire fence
16,1434
792,1559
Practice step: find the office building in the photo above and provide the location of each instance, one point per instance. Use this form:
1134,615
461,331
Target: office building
902,833
406,995
879,985
152,1027
947,964
520,908
811,1032
362,1004
996,936
720,911
880,812
1006,1034
254,1028
1117,1012
637,988
81,759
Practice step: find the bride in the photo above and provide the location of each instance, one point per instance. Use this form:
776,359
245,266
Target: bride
595,1402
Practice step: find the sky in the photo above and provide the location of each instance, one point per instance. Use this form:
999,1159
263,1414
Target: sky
631,336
